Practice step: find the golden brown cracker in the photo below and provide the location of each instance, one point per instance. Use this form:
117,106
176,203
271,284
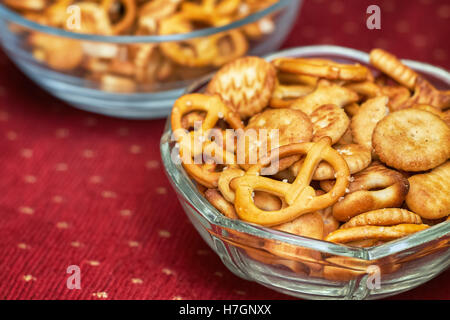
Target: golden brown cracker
429,193
412,140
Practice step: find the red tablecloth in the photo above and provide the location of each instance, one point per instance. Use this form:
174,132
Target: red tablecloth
81,189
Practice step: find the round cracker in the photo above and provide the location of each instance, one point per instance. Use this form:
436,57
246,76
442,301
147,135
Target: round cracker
293,126
246,84
412,140
329,120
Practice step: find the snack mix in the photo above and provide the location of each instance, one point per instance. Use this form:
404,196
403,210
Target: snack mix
361,153
141,67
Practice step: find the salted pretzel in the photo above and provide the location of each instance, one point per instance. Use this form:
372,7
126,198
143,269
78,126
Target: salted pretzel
322,68
215,110
375,187
127,20
299,196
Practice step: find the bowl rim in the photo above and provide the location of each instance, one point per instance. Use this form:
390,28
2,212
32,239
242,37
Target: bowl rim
184,185
9,14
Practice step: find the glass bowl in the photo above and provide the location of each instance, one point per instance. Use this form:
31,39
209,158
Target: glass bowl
310,268
87,88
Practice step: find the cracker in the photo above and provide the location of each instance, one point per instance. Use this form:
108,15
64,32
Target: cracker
364,122
329,120
374,232
325,94
412,140
383,217
429,193
246,84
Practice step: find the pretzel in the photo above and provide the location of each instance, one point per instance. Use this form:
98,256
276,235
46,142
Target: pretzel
393,67
94,19
236,47
390,187
297,79
215,109
224,183
357,158
374,232
201,51
330,224
383,217
322,68
299,196
128,18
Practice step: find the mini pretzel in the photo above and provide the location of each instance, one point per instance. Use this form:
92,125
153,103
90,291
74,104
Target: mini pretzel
374,232
357,157
260,28
389,190
246,84
201,51
299,196
128,18
224,183
322,69
393,67
94,19
325,94
215,109
237,46
383,217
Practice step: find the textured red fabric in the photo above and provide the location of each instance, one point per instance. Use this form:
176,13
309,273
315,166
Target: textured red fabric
82,189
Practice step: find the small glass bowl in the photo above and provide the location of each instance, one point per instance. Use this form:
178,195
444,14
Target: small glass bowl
106,95
305,267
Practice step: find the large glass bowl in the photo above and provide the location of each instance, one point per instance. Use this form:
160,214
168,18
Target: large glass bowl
311,268
145,101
